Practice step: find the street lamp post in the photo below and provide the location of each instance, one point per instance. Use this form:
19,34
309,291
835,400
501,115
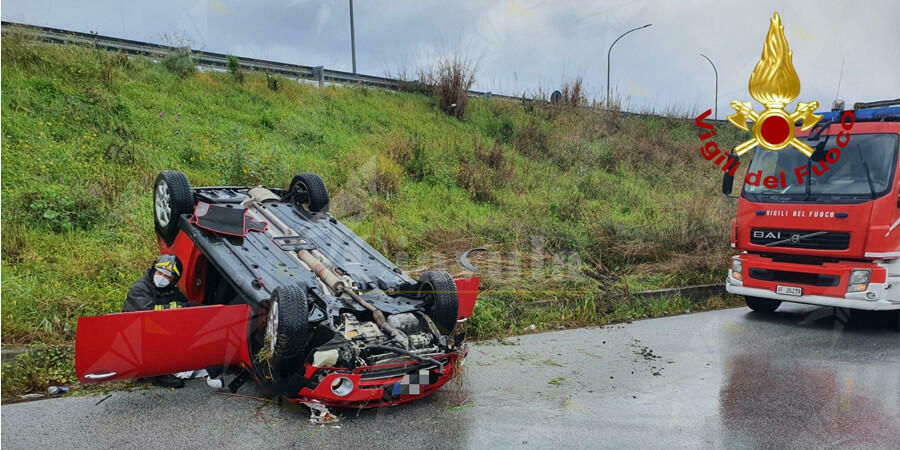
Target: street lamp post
610,52
716,105
352,38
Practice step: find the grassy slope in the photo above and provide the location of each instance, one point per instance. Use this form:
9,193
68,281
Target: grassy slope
85,132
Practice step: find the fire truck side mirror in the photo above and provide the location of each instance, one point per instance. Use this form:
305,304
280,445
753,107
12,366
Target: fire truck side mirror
728,184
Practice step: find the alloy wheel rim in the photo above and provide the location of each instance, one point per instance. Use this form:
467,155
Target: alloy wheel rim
272,325
162,204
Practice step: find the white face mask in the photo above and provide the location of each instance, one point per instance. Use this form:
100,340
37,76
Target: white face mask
160,281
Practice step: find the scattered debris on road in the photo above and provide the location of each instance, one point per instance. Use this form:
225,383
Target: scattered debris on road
320,414
647,354
57,390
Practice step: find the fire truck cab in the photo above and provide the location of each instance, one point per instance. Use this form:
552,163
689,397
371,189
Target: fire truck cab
828,232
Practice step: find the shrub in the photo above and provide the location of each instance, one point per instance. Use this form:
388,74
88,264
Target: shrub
268,120
234,67
533,139
409,154
271,82
180,62
38,368
572,93
401,73
495,159
415,87
236,166
388,176
450,81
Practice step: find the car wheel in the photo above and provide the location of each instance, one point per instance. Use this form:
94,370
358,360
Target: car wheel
308,191
762,305
287,327
172,197
438,287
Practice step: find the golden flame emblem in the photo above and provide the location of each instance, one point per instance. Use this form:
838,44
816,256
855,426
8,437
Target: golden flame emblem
774,83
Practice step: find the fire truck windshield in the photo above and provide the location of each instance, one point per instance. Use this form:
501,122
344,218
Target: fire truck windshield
864,170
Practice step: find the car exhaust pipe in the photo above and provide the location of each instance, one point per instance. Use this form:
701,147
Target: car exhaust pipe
339,287
323,272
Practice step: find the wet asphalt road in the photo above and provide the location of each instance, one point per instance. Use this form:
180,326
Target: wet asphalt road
729,378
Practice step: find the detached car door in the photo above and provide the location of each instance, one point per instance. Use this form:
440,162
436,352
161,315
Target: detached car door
149,343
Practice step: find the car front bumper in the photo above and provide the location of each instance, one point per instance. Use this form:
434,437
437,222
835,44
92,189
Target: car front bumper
373,391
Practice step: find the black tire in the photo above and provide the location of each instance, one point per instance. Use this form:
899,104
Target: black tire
309,192
172,197
843,317
762,305
290,323
438,287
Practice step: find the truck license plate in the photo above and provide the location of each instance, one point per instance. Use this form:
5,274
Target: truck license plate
789,290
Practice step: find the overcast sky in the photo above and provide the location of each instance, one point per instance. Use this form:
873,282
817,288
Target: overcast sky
524,45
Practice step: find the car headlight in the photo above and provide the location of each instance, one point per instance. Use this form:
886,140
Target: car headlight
737,269
859,280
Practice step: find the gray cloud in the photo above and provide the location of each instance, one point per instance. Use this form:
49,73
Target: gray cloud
524,45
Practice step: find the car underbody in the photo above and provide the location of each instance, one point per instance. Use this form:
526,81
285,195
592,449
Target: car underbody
327,319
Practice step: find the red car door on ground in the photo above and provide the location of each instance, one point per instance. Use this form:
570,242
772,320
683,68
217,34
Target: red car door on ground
149,343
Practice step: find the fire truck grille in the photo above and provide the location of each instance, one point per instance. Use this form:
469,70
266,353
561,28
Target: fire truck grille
830,240
811,279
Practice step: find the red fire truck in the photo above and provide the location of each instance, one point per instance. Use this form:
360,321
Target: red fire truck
824,231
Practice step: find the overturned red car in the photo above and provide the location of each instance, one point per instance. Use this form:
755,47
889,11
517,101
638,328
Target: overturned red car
288,296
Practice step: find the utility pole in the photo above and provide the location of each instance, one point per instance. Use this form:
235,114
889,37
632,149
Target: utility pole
716,106
610,52
352,38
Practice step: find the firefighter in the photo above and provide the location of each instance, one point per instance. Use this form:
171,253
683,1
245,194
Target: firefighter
158,289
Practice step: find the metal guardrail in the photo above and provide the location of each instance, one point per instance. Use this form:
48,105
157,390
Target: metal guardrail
220,61
200,57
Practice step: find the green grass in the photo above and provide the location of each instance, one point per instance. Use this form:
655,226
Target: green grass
594,197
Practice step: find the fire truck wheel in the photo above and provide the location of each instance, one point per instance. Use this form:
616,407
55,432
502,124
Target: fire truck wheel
438,287
286,327
762,305
309,192
172,197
